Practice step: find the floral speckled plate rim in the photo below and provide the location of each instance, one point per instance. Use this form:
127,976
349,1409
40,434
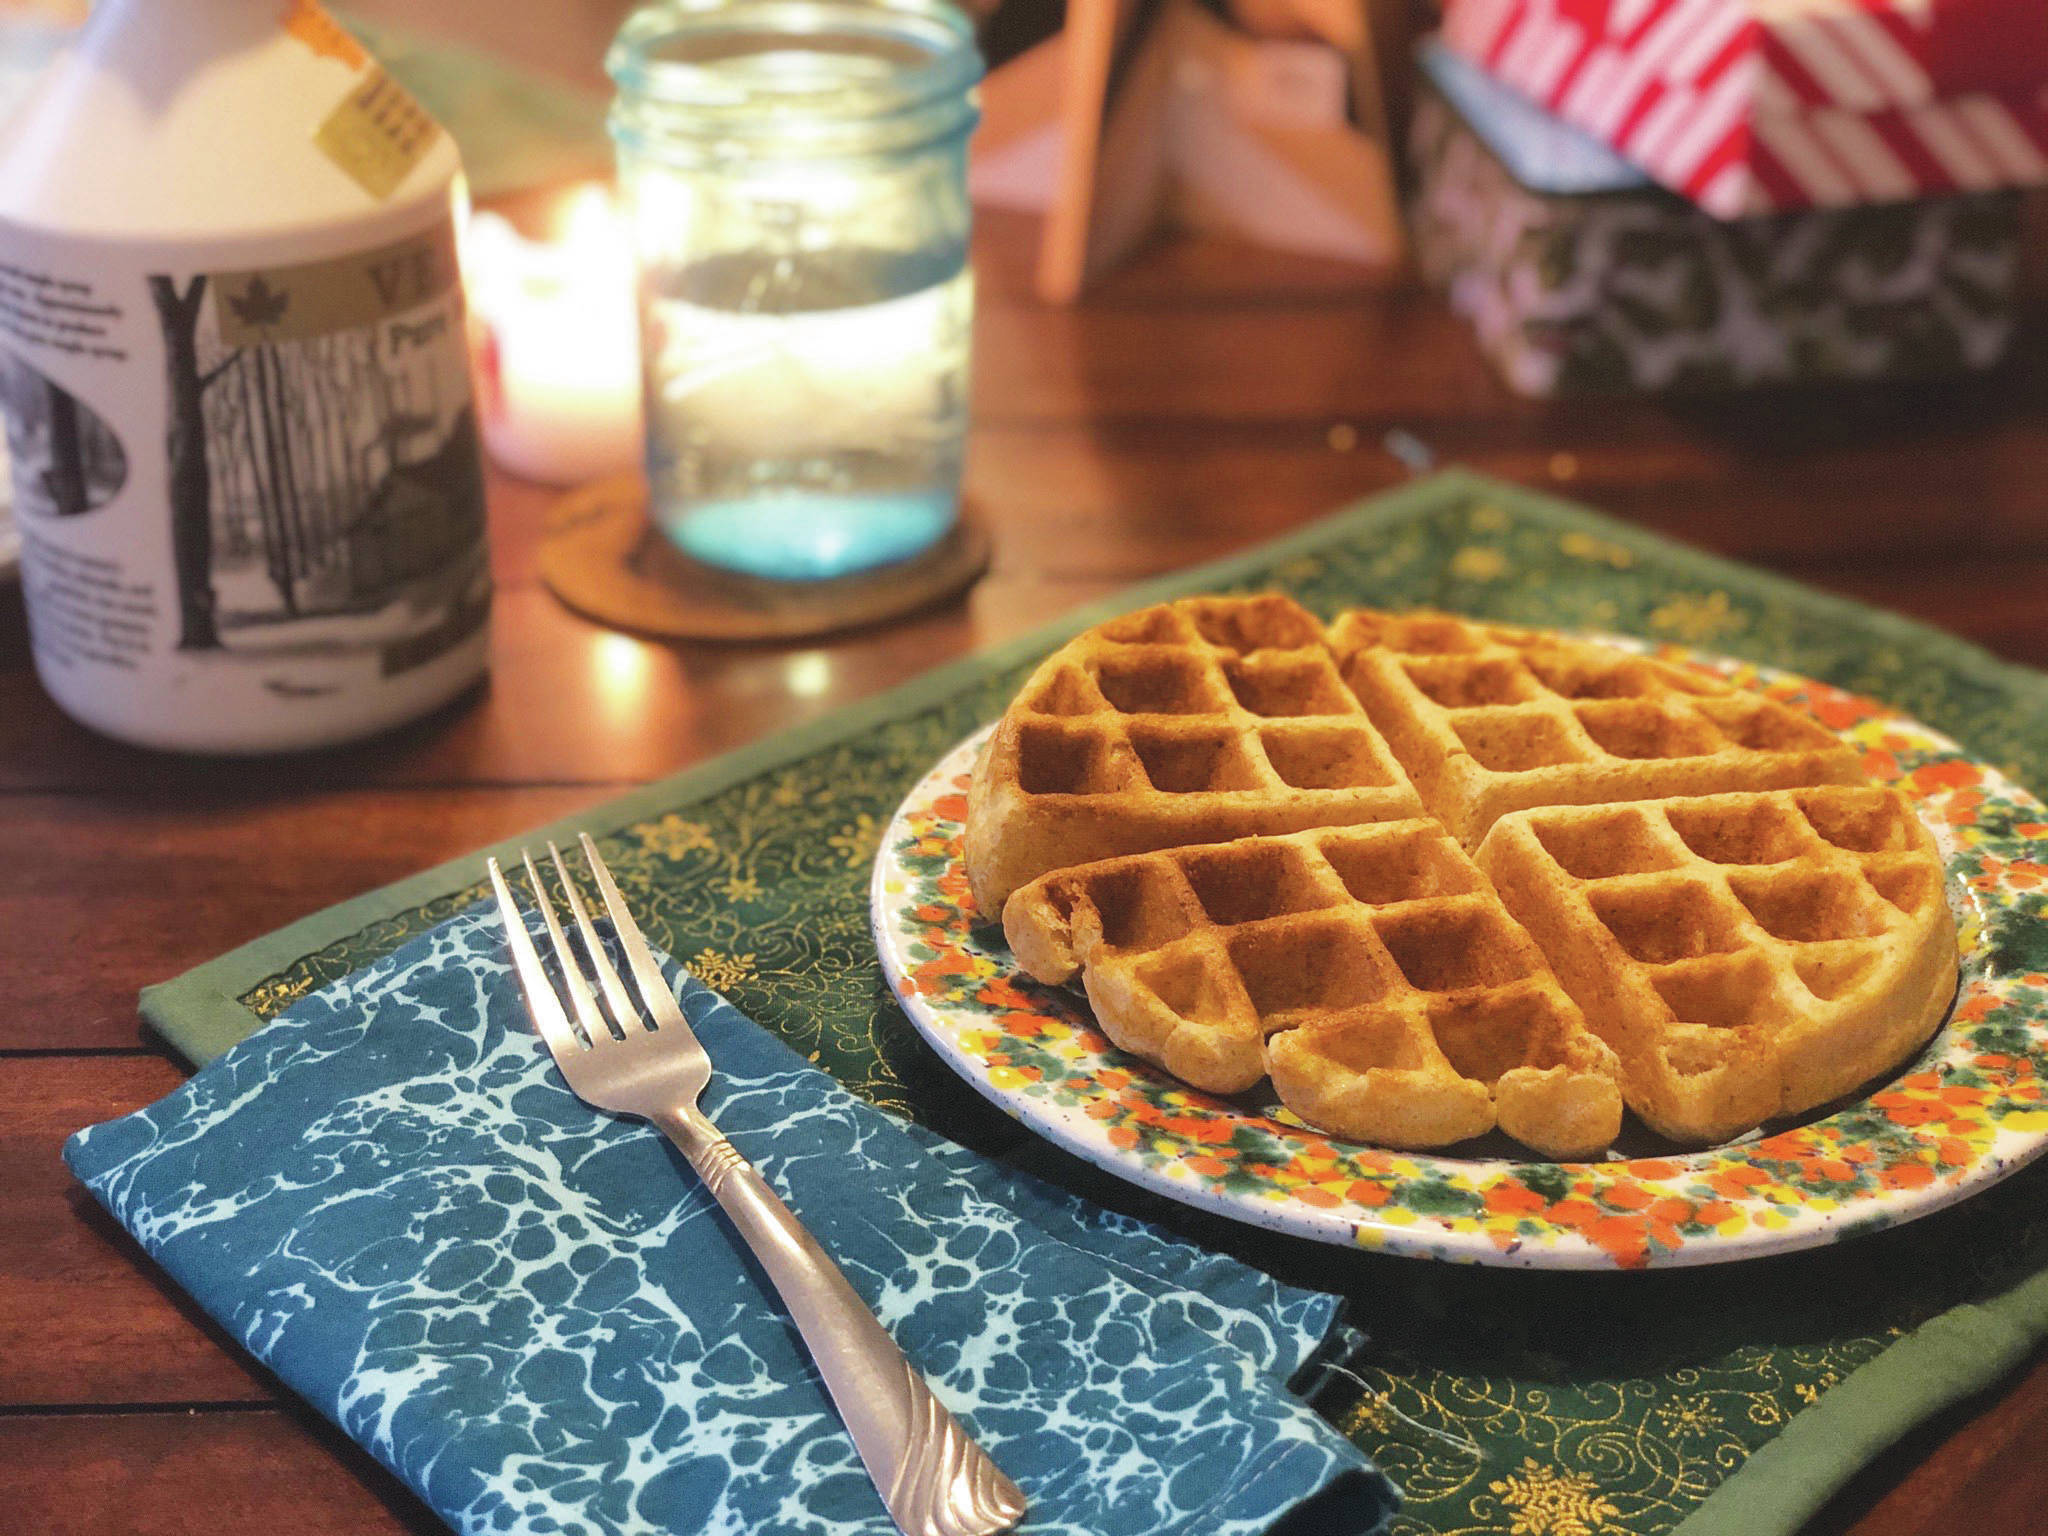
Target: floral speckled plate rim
1970,1110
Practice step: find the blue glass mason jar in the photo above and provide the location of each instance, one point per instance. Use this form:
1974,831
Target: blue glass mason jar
795,177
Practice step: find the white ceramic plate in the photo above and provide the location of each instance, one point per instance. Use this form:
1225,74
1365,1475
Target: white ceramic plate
1968,1112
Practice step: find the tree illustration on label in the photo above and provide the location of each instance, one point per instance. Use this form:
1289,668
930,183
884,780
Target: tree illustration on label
191,489
326,492
67,460
260,309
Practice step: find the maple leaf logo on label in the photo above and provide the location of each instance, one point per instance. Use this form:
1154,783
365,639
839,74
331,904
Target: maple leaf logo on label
259,306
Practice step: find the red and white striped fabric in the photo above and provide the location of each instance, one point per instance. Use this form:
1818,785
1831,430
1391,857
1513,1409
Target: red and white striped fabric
1747,106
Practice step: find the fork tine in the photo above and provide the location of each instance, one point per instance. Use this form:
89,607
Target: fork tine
623,1011
595,1030
541,1003
654,991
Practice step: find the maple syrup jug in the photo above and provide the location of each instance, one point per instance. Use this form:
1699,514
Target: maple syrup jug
236,384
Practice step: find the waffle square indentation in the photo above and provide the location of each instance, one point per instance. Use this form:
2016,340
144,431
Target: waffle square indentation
1310,756
1831,971
1635,728
1756,832
1807,907
1661,923
1053,759
1243,884
1485,1034
1069,691
1191,982
1324,965
1195,763
1909,887
1442,949
1380,869
1764,726
1426,635
1148,626
1147,682
1386,1040
1861,820
1252,624
1724,994
1576,677
1462,683
1138,905
1595,846
1512,741
1281,685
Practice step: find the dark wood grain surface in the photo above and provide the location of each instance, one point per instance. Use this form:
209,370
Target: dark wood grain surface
1210,397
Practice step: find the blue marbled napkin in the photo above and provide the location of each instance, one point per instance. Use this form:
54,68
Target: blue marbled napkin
536,1317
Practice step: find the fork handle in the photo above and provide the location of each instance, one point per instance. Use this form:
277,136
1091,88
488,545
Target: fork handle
933,1476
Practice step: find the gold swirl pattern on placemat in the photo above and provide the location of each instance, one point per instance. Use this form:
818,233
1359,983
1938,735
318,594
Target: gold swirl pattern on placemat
1501,1400
1629,1457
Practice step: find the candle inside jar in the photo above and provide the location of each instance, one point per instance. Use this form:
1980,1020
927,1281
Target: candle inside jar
796,179
812,406
560,360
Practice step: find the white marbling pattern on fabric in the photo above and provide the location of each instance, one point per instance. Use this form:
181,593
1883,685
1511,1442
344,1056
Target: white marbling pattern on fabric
538,1319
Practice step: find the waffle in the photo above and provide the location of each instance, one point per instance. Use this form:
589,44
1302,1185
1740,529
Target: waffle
1371,971
1244,833
1192,722
1487,720
1746,955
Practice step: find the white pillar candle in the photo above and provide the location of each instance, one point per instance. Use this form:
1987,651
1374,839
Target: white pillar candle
560,346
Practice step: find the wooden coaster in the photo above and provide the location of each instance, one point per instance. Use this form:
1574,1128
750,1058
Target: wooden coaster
601,556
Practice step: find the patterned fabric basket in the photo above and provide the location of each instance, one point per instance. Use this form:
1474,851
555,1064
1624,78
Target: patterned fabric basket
1579,276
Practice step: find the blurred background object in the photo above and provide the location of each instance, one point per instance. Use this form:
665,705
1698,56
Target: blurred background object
1699,194
1580,273
1267,124
1747,108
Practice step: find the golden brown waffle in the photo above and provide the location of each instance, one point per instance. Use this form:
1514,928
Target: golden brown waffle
1370,970
1488,720
1752,935
1746,955
1191,722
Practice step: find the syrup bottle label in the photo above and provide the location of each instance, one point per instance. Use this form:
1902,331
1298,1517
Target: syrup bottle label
257,484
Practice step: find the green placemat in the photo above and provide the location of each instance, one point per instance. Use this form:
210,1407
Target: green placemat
1724,1400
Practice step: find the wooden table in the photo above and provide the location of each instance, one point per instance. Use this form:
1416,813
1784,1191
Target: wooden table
1208,398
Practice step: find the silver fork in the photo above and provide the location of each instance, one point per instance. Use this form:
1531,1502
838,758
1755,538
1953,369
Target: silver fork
932,1475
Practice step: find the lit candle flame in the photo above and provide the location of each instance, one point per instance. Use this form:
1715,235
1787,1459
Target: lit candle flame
560,343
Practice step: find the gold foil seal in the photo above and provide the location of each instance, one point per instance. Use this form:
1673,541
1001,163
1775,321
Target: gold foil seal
377,134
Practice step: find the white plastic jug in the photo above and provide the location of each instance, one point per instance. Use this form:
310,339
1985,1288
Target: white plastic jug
236,383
